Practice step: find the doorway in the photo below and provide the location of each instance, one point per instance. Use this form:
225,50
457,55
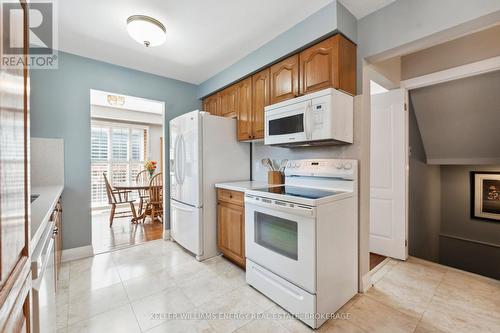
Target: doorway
126,132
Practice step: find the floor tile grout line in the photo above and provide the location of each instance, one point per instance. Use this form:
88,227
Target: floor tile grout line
432,297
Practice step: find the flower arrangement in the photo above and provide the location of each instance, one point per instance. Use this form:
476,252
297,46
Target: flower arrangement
151,167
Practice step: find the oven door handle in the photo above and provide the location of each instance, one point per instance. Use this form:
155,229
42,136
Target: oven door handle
274,204
48,256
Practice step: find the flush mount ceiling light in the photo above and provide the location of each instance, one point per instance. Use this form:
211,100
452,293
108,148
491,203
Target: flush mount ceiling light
146,30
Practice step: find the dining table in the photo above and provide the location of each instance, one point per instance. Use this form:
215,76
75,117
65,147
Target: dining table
134,186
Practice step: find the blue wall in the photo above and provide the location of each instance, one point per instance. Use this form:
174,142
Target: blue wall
60,108
328,19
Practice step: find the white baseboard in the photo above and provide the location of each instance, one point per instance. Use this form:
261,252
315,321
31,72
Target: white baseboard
366,282
166,234
77,253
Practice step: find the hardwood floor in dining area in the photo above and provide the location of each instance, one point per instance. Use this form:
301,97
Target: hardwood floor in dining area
123,233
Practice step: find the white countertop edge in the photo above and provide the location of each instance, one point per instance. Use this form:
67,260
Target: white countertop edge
55,192
242,186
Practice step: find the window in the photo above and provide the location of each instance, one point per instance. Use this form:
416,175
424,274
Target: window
118,150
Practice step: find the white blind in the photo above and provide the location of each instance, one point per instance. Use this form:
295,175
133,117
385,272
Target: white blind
119,150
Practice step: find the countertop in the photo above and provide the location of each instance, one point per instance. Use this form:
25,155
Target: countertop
42,208
243,185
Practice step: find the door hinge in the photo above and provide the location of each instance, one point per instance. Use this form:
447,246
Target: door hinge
406,243
406,107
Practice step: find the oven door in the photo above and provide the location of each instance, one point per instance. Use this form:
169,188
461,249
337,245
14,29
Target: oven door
288,124
282,239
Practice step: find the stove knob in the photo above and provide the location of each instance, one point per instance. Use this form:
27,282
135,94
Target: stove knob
339,166
348,166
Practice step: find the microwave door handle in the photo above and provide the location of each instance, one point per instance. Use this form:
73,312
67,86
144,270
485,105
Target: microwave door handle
307,119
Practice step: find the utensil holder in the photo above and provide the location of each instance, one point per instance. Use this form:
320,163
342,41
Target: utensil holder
274,177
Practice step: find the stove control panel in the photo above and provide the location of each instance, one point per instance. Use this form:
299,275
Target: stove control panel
332,168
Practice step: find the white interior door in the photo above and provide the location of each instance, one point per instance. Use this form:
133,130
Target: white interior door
388,174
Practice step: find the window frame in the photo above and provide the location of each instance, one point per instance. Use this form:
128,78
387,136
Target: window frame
110,161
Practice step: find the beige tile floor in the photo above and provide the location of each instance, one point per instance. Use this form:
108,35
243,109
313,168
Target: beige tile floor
129,290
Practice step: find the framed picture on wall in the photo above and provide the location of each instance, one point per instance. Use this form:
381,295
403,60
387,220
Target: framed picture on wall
485,195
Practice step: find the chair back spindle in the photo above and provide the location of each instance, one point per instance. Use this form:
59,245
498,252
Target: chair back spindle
156,188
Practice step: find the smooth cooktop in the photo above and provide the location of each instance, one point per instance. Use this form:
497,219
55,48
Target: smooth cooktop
298,191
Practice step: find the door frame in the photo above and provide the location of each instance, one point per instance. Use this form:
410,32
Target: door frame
450,74
165,232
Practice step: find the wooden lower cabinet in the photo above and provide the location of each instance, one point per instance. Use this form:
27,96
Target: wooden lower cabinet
231,226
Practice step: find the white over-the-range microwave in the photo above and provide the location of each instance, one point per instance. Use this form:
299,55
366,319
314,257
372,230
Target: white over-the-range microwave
321,118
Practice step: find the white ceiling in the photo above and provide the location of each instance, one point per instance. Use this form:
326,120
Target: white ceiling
203,36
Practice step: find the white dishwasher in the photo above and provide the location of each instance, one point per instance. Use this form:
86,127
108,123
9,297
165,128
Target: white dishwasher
44,284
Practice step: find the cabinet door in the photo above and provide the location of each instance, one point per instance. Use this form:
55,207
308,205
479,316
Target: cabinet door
329,64
260,99
285,79
244,108
231,231
228,101
211,104
319,66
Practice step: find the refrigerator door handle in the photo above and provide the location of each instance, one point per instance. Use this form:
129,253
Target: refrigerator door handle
176,160
182,149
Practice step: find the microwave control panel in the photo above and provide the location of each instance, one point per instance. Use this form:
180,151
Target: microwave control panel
318,114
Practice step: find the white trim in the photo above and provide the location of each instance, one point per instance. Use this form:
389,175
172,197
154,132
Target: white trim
463,161
166,235
77,253
455,73
366,282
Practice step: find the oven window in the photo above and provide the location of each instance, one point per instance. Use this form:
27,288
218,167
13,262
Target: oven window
276,234
287,125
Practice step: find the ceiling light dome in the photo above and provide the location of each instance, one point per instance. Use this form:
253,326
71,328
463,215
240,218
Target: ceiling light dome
146,30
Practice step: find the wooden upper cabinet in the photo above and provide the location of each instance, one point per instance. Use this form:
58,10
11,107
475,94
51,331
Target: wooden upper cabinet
244,109
228,101
329,64
260,99
211,104
285,79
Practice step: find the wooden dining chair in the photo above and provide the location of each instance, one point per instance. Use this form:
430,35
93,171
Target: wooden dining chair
118,197
155,202
143,178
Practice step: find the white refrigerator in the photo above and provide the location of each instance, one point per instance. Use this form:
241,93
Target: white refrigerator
203,151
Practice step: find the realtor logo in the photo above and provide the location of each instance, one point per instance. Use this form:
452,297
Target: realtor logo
42,34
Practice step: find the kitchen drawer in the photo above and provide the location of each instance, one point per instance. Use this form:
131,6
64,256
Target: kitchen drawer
290,297
234,197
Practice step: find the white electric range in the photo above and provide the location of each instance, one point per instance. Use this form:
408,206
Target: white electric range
301,238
